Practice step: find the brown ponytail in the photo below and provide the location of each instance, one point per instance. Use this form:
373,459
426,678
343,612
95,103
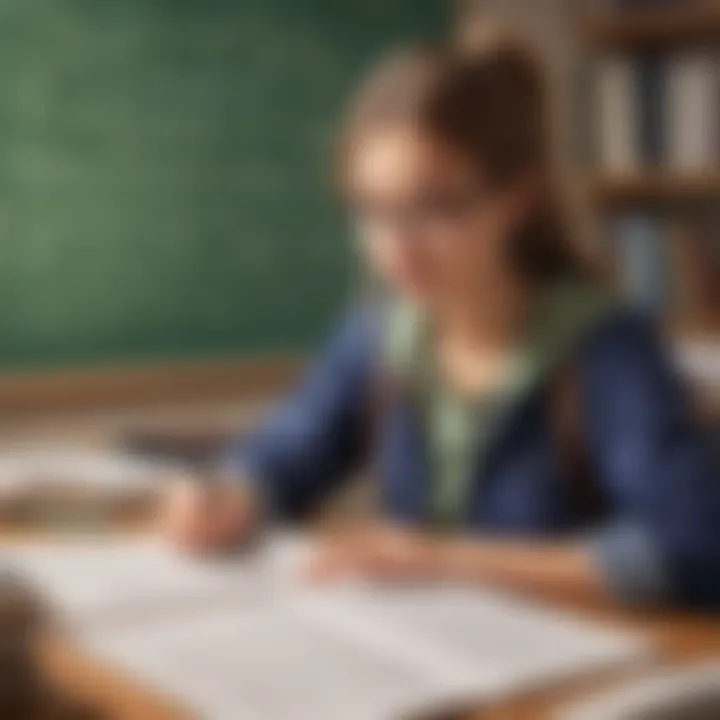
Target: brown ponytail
485,97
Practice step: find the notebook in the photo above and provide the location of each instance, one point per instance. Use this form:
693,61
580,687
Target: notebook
244,637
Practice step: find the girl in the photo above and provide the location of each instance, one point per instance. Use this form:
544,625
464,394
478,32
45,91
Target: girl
502,396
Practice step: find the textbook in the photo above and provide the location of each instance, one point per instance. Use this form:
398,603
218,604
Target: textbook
245,637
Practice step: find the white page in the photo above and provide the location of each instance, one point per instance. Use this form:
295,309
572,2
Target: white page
90,580
356,653
95,578
482,643
268,665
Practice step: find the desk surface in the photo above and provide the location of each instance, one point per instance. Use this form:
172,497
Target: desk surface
679,639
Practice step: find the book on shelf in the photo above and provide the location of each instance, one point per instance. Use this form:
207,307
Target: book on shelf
658,111
618,151
651,125
692,109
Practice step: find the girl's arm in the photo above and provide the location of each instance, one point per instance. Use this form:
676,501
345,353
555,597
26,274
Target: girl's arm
552,569
318,434
297,456
659,469
555,570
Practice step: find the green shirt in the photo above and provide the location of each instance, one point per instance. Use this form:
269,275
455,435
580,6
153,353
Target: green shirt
456,428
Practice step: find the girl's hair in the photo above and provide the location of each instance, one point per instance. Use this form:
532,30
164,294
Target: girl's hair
485,98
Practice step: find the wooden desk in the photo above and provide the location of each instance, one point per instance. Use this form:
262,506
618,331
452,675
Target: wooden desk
680,639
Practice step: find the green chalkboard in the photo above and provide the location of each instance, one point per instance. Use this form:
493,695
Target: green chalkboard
164,172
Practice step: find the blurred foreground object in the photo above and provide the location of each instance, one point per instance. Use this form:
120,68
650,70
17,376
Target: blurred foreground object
24,692
688,694
66,488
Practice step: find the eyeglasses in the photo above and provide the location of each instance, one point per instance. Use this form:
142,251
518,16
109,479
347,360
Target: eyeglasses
435,211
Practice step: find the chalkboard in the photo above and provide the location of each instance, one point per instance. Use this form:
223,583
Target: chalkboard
165,172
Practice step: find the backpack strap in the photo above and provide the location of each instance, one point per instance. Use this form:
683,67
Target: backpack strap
570,438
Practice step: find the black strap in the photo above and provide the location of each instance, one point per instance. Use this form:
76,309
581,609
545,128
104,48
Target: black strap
569,432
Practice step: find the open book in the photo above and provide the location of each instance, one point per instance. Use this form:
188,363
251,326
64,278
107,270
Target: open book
243,638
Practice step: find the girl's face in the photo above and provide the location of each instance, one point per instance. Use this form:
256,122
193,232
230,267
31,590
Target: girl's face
427,224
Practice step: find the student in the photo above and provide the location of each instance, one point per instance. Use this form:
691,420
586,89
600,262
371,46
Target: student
526,429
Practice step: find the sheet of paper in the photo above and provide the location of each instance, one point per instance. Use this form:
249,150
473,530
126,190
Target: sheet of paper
95,579
481,643
268,665
359,654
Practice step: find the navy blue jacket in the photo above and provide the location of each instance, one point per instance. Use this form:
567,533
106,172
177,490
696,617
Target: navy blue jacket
655,529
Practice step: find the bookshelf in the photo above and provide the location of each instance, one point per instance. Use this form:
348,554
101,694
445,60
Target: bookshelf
654,177
652,28
654,187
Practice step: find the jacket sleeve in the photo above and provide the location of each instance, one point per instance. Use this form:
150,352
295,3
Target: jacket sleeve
657,468
318,434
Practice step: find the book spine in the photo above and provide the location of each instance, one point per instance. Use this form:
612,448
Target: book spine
616,116
693,113
650,119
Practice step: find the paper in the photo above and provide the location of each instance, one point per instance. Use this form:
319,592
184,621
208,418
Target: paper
243,638
681,694
95,580
267,665
478,639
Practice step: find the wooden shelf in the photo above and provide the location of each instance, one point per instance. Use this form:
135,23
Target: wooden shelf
655,187
635,29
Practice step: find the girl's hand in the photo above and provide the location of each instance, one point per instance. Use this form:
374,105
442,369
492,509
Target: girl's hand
208,519
376,552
